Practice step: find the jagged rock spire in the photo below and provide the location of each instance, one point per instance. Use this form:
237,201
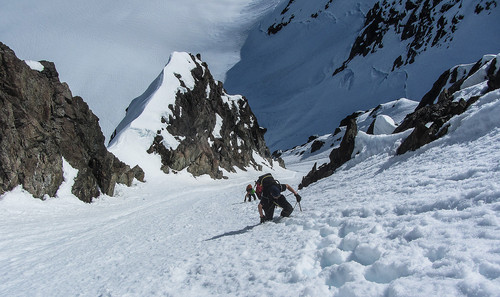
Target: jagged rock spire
187,119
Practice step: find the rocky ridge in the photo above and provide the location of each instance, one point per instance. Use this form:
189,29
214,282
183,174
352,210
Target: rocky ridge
42,124
195,124
452,94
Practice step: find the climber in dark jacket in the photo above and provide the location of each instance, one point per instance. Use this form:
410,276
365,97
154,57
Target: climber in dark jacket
272,197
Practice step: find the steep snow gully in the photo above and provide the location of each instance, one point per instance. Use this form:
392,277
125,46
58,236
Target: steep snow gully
422,224
425,223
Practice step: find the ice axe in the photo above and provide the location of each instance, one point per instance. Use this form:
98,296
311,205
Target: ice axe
297,202
300,207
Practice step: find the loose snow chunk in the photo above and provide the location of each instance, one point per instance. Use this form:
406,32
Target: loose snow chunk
384,125
414,234
384,273
35,65
366,254
330,256
218,126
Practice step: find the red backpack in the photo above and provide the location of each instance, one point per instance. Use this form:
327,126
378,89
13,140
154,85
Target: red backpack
258,190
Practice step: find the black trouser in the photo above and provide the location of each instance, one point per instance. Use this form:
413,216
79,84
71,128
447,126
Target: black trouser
268,206
250,197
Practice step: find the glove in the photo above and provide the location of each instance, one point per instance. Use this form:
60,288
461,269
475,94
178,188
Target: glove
297,196
262,219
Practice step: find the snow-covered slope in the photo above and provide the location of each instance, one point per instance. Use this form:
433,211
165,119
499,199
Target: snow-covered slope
109,51
378,51
403,125
425,223
421,224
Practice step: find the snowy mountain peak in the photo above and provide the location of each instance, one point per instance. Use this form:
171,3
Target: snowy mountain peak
186,120
144,110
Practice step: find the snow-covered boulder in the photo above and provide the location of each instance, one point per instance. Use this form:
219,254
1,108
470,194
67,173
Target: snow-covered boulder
186,120
383,124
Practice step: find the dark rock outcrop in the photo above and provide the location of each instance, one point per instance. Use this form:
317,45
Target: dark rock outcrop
437,114
317,145
338,156
439,105
40,124
240,134
275,28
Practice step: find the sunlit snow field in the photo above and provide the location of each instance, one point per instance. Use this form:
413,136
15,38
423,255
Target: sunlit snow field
422,224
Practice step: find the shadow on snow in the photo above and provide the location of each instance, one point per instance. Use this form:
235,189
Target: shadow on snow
231,233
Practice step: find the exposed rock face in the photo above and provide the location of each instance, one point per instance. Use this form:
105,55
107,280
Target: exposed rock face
211,129
338,156
40,124
237,138
445,100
